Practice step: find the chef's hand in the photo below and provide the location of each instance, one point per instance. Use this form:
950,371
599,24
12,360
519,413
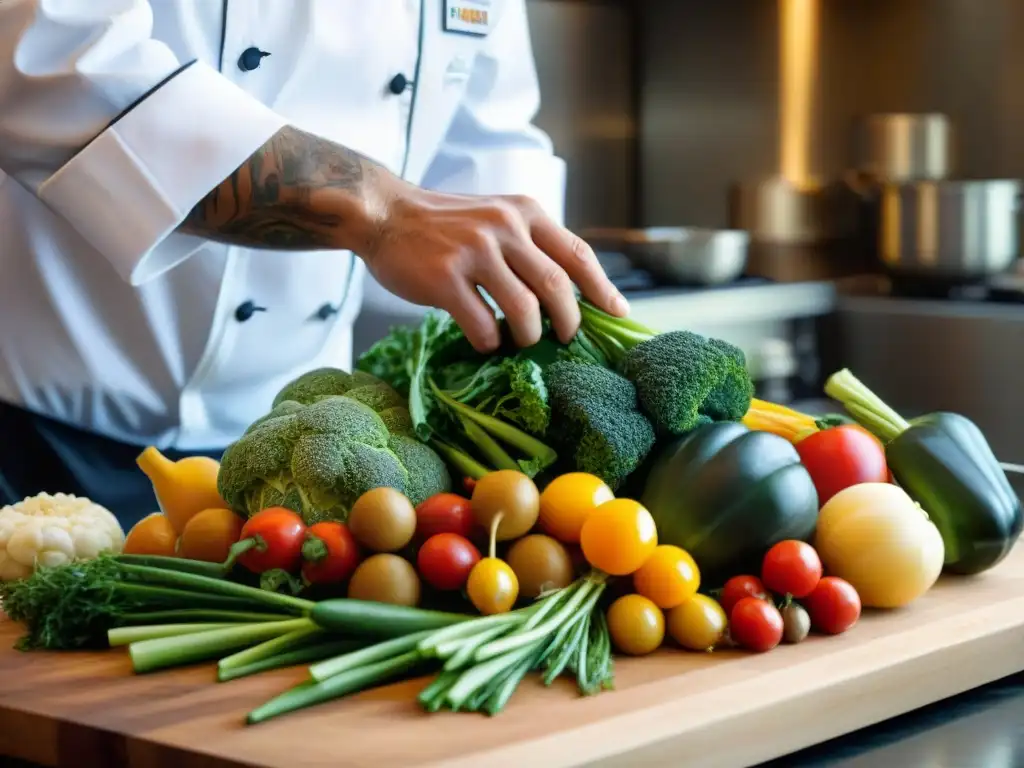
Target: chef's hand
436,249
302,192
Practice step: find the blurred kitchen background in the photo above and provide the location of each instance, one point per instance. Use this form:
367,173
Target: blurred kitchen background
832,182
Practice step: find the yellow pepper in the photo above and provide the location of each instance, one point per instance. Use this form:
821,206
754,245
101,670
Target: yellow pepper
779,420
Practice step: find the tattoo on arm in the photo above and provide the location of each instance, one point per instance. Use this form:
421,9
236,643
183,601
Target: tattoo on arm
284,197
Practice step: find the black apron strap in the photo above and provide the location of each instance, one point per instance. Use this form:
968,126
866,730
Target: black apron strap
41,455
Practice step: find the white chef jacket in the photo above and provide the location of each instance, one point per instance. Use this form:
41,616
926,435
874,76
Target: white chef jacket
118,116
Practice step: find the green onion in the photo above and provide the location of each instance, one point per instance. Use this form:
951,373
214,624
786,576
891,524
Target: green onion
370,655
140,595
352,681
180,564
304,655
128,635
192,615
161,653
270,648
151,575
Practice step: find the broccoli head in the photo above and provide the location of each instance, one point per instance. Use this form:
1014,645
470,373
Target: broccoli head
684,380
595,419
330,437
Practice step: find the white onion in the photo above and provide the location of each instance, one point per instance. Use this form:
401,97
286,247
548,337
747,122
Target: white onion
876,537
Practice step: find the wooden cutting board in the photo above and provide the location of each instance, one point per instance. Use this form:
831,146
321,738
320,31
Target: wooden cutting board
722,709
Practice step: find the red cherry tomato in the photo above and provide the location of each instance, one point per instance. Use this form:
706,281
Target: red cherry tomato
739,587
445,560
273,539
834,606
444,513
839,457
791,568
330,553
755,624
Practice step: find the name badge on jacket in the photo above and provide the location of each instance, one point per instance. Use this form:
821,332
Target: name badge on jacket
470,17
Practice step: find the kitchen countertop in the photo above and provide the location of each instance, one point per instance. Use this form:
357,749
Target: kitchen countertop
89,710
978,729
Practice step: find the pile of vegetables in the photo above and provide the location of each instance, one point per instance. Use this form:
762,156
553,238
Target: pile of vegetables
623,493
596,405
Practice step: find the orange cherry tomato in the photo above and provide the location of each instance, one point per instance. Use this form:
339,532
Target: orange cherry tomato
209,535
618,537
566,503
152,535
668,578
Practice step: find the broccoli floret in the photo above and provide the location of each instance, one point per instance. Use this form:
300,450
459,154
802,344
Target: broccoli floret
422,463
323,445
685,380
327,382
595,418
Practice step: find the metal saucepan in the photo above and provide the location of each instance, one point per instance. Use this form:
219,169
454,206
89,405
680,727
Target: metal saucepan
897,148
949,229
679,255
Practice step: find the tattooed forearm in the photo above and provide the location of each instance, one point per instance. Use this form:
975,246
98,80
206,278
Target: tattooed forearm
297,192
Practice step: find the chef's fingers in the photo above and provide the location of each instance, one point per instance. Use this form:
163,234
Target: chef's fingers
517,302
579,262
549,283
467,308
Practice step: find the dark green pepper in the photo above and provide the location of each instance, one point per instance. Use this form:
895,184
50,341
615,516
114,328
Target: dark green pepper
944,463
726,494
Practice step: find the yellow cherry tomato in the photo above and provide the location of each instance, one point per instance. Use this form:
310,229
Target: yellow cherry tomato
699,624
636,625
567,501
669,577
492,586
618,537
152,535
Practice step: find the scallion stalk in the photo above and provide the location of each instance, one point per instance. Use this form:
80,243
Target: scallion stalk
302,655
272,647
195,615
371,655
178,580
127,635
141,595
165,652
354,680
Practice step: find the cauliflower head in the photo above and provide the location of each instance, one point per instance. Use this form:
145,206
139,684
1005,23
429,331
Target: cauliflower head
330,437
48,531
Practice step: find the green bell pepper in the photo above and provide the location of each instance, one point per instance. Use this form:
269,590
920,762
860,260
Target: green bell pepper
726,494
944,463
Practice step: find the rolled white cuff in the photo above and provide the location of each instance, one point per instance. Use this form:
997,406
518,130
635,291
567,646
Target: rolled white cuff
128,190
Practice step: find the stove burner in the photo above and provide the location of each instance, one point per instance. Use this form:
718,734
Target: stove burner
993,290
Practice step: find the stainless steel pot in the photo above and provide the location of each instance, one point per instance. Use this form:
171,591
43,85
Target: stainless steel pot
797,232
897,148
949,229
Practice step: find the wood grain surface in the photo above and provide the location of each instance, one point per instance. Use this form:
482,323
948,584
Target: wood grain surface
722,709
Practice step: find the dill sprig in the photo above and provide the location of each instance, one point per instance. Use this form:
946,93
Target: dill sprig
75,605
70,606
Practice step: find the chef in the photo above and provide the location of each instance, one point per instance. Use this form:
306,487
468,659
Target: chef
192,193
